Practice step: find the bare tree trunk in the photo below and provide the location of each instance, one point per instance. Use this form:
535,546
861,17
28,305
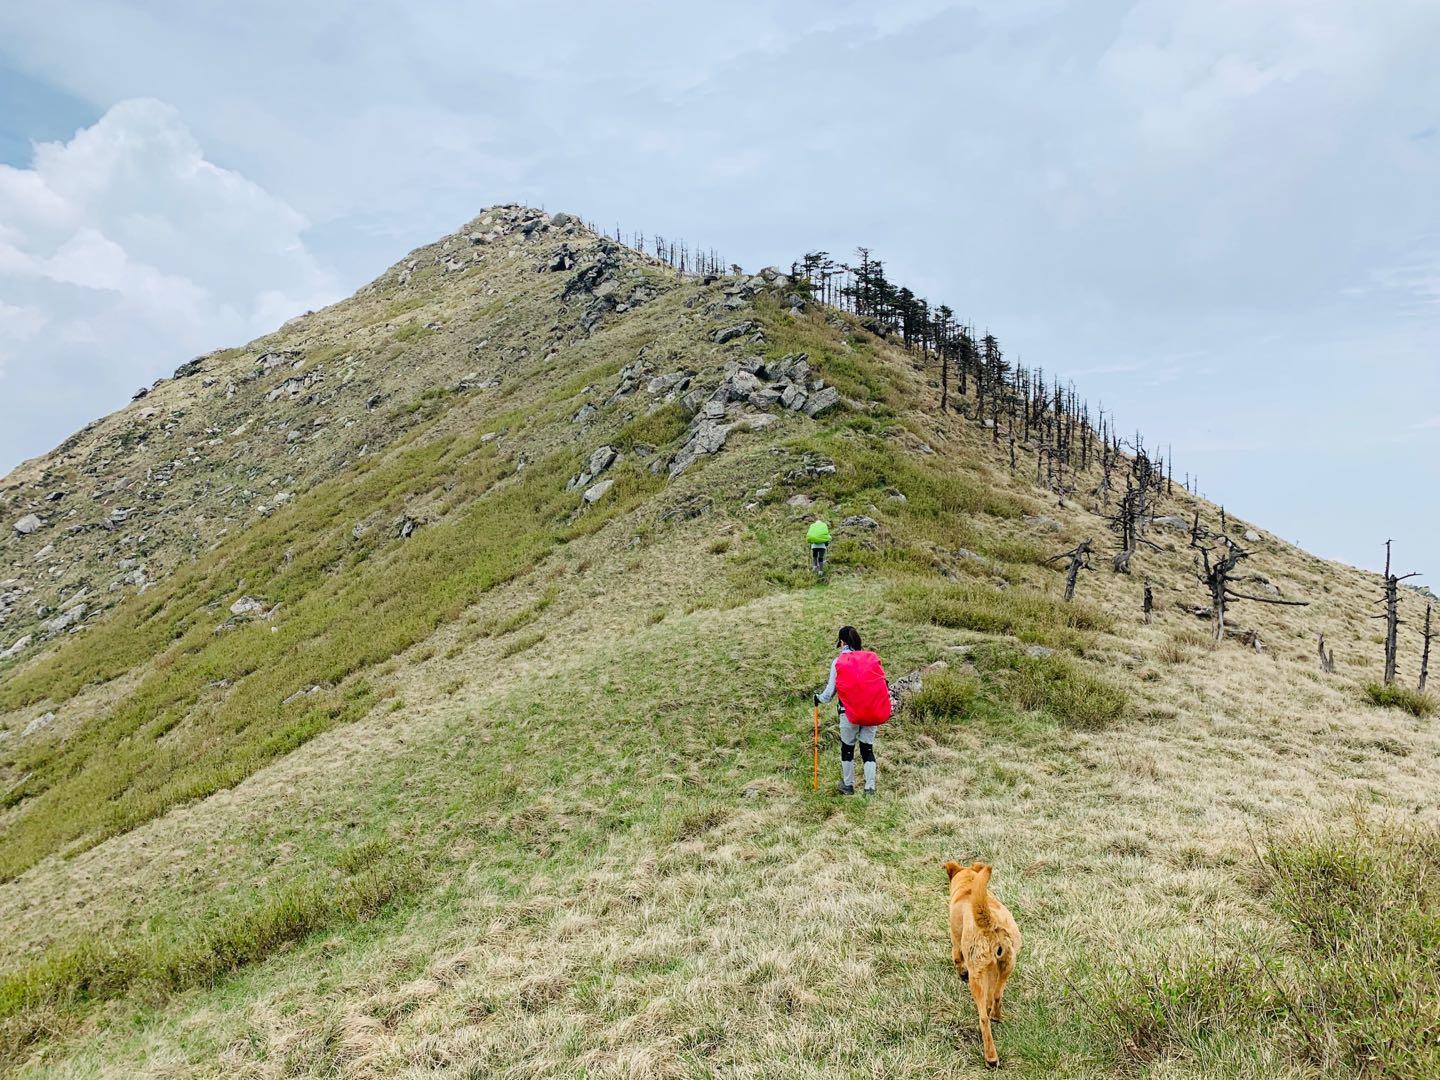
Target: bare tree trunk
1149,604
1327,658
1391,616
1425,655
1079,557
1392,628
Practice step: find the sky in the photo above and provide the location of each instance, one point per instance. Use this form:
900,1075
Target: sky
1219,217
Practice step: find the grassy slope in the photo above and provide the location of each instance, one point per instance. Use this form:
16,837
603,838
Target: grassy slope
578,832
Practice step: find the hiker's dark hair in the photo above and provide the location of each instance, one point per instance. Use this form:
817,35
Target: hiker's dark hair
849,636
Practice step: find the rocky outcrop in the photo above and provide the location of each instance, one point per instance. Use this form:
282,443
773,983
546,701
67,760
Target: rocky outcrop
65,620
730,333
600,460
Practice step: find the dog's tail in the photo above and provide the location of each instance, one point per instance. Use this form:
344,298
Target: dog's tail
980,895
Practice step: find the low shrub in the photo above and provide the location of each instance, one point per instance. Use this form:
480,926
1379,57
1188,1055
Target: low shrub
1056,685
1022,613
944,697
1399,697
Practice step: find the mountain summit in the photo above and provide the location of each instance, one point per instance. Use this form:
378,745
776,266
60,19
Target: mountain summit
427,686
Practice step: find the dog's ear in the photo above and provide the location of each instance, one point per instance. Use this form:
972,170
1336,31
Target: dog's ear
952,868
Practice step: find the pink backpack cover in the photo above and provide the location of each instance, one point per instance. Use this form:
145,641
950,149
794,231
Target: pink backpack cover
860,681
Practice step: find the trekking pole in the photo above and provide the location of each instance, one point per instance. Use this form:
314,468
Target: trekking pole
815,783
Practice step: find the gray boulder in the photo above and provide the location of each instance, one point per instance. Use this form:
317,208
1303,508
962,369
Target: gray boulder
17,648
708,437
65,620
661,383
792,397
28,524
247,605
40,723
822,401
594,493
602,459
767,398
741,385
729,333
860,521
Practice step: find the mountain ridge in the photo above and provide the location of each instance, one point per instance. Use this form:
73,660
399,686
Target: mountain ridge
454,752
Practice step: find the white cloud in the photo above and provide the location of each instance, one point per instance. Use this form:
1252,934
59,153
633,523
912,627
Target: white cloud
122,253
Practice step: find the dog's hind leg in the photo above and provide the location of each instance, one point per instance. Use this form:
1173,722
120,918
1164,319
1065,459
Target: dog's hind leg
999,999
982,1007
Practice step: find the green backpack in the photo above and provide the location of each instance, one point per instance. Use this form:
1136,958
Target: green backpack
819,533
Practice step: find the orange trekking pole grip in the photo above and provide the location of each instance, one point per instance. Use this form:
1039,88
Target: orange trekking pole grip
815,784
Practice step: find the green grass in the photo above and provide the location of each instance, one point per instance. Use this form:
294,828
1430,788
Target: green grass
942,700
1349,986
935,496
411,332
659,428
1030,616
1056,685
521,643
53,991
1400,697
212,710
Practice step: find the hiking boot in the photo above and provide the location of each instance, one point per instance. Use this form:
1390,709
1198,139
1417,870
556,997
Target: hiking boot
845,789
869,793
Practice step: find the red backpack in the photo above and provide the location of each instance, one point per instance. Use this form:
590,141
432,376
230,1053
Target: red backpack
860,681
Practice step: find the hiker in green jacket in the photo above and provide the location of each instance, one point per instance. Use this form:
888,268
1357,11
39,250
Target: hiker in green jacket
818,536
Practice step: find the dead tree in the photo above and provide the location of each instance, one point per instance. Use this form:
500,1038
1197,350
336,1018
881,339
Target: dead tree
1149,604
1425,654
1079,557
1218,572
1126,524
1327,658
1391,615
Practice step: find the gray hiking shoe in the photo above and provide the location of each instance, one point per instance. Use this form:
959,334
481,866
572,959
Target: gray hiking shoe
869,793
845,789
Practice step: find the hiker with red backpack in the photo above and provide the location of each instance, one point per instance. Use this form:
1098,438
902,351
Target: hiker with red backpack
856,675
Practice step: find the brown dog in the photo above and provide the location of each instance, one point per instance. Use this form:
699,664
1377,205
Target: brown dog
984,943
